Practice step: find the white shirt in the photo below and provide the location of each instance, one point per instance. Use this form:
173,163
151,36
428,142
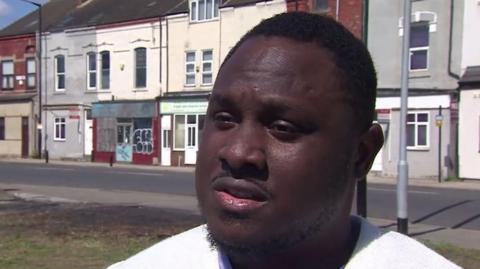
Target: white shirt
374,249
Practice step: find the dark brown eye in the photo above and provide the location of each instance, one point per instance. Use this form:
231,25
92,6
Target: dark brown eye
284,130
223,120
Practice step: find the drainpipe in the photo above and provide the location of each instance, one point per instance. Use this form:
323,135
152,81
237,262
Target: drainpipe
337,10
166,55
365,22
450,41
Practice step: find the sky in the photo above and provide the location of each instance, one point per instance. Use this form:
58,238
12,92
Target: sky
12,10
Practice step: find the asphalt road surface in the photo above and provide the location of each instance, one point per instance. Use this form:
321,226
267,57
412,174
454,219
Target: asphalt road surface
443,207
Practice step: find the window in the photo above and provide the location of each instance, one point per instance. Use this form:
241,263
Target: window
417,130
190,68
31,72
207,61
59,129
2,128
7,75
59,73
105,65
201,10
419,41
91,70
140,67
179,141
320,5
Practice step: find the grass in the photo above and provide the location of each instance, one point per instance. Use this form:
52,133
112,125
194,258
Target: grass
60,236
466,258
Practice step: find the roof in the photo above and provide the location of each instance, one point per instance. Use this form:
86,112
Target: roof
52,12
471,76
101,12
183,6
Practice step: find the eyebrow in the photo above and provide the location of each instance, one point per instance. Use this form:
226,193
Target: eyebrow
279,106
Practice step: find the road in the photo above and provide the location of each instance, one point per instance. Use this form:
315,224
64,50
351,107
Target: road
453,208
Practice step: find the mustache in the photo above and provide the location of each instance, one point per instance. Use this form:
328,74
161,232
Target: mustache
247,171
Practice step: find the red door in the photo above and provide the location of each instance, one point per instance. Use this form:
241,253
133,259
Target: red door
25,137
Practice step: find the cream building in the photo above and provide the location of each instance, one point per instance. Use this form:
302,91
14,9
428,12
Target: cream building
199,36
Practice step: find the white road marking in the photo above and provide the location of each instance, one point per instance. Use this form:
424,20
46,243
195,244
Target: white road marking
53,168
394,190
136,173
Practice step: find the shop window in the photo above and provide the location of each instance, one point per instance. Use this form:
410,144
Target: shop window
92,70
142,136
417,130
140,67
419,43
190,68
31,72
2,128
202,10
59,73
59,129
207,61
7,75
179,132
105,72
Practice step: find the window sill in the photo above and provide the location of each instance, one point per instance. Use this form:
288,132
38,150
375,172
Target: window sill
59,92
140,90
203,21
59,140
418,148
97,91
420,73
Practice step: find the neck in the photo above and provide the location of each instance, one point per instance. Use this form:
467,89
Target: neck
332,250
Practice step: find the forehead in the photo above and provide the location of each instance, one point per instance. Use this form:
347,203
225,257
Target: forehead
281,66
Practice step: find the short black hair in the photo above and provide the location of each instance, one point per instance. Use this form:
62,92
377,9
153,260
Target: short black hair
350,54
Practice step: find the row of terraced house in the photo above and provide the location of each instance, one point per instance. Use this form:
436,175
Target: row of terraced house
128,81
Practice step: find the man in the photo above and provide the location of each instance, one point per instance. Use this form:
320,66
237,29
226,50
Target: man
287,133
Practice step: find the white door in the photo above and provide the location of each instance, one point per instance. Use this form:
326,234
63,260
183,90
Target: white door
166,150
88,136
191,140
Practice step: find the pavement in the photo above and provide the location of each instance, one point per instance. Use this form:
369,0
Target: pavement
461,237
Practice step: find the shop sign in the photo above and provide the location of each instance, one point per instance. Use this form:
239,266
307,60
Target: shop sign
178,107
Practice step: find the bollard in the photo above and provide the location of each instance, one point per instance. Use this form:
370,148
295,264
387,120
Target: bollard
362,197
92,156
46,156
111,160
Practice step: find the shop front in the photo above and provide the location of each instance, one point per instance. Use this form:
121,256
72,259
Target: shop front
182,122
125,131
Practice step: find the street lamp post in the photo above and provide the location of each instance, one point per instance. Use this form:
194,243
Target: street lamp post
39,75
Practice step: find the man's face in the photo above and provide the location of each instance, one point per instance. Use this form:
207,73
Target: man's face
275,163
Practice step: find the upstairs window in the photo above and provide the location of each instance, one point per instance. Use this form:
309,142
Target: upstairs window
7,75
140,67
190,68
91,70
419,43
105,65
31,72
201,10
59,73
320,5
207,60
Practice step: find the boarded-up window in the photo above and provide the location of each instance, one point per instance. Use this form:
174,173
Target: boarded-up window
106,134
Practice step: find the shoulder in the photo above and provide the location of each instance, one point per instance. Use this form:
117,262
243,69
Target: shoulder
393,250
186,250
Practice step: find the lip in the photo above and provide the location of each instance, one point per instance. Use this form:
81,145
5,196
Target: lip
239,195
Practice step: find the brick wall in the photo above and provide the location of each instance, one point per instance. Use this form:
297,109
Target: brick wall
17,49
350,12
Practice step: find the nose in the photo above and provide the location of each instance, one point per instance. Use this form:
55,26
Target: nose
245,149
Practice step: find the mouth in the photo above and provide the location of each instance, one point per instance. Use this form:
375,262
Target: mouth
239,195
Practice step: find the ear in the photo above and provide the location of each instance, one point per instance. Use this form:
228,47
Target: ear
368,146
